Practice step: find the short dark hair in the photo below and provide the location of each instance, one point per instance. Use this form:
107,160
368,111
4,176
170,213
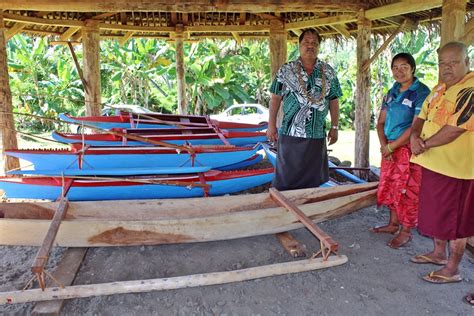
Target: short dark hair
312,31
408,58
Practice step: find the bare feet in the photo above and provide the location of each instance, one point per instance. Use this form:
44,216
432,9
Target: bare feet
400,239
387,229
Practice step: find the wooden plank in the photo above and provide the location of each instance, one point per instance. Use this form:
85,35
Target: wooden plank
43,253
40,21
402,7
196,280
65,274
188,6
291,245
169,229
307,222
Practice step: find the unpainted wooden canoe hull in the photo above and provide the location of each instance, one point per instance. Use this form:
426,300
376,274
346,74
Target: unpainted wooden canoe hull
149,227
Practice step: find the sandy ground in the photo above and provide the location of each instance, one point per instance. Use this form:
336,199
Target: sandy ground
376,280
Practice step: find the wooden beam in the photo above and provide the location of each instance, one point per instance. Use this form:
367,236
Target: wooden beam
196,280
180,71
331,20
78,67
12,31
7,124
291,245
188,6
135,28
102,16
126,37
40,21
91,67
65,273
362,111
227,28
402,7
43,253
366,65
325,239
452,23
237,37
68,33
341,29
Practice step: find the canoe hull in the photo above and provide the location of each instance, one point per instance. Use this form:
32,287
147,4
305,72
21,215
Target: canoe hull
131,158
172,228
98,190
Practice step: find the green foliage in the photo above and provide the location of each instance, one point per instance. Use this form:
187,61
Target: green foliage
44,80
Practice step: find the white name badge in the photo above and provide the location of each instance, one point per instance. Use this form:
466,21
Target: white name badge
407,102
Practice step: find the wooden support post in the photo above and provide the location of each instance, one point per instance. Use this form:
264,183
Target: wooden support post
91,47
324,238
180,74
291,245
65,273
452,23
43,253
78,67
278,53
362,111
141,286
7,125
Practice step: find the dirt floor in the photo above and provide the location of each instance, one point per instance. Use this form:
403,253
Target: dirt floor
376,280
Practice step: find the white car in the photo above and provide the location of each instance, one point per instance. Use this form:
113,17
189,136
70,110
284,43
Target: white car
244,113
114,109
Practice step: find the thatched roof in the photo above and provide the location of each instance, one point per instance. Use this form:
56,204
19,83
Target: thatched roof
123,19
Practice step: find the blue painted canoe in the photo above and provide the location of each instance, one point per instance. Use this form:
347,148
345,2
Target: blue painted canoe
234,138
128,120
132,157
271,156
149,187
111,172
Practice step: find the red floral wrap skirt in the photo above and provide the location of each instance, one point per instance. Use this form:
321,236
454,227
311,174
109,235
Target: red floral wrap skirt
399,186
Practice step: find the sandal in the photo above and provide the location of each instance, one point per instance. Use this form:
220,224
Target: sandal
400,240
469,299
432,277
424,259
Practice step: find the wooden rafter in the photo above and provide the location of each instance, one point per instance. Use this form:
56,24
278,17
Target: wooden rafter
184,5
126,37
382,47
237,37
17,27
341,29
40,21
68,33
331,20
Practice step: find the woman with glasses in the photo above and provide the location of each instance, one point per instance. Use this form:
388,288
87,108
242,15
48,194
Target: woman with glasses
399,179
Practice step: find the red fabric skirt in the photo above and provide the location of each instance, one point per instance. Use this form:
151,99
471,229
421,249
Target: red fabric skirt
399,186
446,206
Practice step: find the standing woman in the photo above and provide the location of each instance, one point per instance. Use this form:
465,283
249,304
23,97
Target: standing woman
399,179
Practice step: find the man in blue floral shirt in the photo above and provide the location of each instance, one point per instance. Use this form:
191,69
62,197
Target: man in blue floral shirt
308,89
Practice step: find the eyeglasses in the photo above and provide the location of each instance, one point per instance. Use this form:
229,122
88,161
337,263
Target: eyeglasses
401,67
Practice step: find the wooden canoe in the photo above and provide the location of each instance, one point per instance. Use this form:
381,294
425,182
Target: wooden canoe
154,222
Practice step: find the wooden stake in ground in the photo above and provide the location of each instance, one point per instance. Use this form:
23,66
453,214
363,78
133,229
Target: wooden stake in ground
79,291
